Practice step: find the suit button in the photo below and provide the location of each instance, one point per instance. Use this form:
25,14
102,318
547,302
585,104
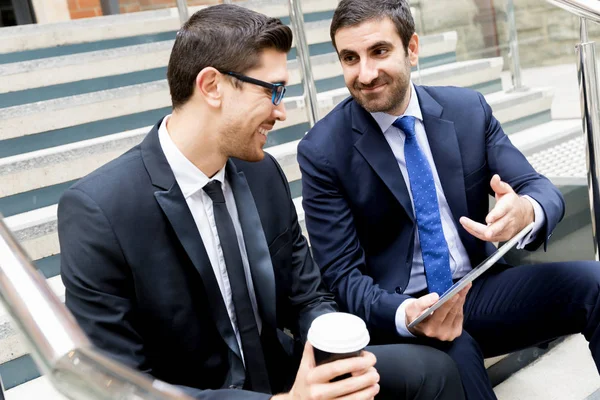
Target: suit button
399,289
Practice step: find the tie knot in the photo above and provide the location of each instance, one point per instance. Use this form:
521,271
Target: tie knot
214,191
406,124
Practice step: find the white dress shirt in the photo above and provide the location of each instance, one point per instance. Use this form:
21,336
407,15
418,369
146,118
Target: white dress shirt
192,181
459,259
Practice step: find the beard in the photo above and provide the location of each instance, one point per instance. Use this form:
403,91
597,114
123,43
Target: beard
390,98
238,143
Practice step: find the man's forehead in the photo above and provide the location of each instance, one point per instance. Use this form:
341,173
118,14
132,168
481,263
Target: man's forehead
366,34
272,67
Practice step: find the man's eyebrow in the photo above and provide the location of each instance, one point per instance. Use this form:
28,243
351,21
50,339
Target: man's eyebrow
345,52
379,44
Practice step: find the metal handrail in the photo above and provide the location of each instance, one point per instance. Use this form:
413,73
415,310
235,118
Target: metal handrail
58,346
589,9
182,8
590,102
513,43
310,89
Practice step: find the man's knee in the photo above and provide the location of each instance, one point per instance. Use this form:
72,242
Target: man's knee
417,372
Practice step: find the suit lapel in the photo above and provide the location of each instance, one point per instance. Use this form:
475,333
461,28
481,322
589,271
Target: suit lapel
173,204
377,152
256,244
447,157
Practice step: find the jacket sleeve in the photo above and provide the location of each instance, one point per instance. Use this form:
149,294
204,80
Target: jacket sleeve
507,161
336,246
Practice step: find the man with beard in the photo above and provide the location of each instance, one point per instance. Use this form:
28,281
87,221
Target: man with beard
184,259
395,192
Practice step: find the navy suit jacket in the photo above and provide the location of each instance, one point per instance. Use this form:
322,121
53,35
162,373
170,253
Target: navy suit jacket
139,282
358,211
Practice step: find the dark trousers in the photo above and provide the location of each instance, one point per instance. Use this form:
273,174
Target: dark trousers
509,309
414,372
406,372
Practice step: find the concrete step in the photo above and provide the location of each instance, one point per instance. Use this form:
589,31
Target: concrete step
543,136
121,60
55,165
512,106
31,37
39,388
564,163
567,372
463,73
70,111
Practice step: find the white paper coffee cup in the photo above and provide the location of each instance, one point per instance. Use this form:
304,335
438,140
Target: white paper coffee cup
335,336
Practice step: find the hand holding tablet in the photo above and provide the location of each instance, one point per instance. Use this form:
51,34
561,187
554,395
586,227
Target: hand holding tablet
470,277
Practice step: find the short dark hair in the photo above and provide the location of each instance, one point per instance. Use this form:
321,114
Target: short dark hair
225,36
355,12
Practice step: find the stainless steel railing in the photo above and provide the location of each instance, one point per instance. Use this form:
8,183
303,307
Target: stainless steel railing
590,100
310,89
513,45
58,346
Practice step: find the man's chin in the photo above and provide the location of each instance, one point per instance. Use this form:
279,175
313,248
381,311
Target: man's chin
255,156
373,106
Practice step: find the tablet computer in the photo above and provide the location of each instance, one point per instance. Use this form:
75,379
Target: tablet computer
473,274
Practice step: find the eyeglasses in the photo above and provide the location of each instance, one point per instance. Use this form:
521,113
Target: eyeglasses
277,89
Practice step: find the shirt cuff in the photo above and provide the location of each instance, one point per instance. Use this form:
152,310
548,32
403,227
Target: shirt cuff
401,319
539,220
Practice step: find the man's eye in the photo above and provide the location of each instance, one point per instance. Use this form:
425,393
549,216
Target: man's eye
380,52
349,59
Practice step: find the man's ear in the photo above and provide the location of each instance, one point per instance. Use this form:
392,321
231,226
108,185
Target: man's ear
413,50
209,86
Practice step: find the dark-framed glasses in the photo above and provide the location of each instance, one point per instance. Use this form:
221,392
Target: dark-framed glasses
277,89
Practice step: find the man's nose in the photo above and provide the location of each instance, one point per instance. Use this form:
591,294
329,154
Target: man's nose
279,112
368,73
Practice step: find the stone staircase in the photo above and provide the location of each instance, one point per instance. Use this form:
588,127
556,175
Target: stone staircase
76,95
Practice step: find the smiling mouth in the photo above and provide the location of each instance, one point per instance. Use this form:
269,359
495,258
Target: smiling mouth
263,131
372,88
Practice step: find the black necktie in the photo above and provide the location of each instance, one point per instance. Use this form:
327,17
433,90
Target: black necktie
254,358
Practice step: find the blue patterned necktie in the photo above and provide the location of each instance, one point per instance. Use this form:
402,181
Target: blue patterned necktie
436,256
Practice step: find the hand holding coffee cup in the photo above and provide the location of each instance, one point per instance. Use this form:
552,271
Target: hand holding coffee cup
317,381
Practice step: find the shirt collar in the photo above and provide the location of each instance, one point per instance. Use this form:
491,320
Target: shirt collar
188,176
385,120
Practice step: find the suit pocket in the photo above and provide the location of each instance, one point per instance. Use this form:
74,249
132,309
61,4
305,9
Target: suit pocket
476,176
279,242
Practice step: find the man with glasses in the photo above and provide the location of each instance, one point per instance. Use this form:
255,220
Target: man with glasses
183,258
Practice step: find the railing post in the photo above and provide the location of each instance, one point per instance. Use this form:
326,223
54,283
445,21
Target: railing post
513,43
588,90
310,90
183,11
109,7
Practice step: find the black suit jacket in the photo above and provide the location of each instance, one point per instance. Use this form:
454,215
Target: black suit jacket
139,282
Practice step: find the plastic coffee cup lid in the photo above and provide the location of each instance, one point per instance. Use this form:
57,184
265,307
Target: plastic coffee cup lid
338,333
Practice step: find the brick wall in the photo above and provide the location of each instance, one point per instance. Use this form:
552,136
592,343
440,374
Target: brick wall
91,8
84,8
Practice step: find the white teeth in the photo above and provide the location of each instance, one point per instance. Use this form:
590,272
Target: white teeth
263,131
